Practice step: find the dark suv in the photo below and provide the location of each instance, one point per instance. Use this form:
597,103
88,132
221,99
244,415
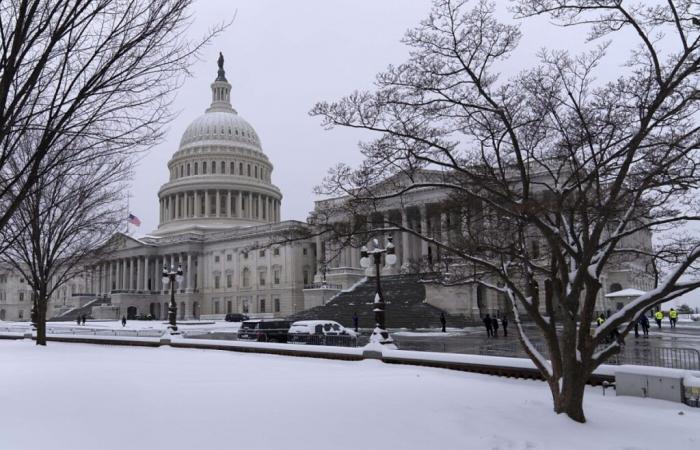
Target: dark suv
264,330
235,317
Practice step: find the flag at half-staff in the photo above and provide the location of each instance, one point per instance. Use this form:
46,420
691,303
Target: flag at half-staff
132,219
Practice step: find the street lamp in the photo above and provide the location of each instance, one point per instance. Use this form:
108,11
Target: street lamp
172,277
379,334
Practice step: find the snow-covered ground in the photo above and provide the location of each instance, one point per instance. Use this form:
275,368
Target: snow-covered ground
75,396
190,326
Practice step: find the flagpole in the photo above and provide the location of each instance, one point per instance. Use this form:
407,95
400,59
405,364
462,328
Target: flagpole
126,216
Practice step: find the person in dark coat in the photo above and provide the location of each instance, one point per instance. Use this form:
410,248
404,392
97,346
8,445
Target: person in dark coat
355,321
83,319
644,322
489,326
443,321
504,324
123,321
494,324
78,320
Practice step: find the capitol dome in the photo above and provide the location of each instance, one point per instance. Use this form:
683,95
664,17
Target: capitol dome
219,177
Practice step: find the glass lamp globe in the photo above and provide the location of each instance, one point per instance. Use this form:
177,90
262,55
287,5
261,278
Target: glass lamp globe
166,278
178,276
364,257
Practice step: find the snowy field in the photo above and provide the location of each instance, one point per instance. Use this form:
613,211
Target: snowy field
75,396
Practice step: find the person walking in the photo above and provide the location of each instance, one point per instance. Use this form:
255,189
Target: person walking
659,316
504,324
600,320
355,321
123,321
78,320
83,319
489,327
443,321
644,322
673,317
494,324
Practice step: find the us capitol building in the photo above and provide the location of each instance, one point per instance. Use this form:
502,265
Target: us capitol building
218,213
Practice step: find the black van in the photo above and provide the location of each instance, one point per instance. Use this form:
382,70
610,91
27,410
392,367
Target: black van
264,330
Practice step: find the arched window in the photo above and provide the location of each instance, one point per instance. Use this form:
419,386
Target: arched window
615,287
188,169
256,171
248,169
182,171
223,167
233,166
245,277
204,167
240,168
196,168
213,167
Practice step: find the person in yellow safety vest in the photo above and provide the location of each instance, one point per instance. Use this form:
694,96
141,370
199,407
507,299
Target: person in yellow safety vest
673,317
600,320
658,316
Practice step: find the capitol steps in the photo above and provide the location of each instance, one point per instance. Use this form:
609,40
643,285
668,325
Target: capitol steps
405,308
85,310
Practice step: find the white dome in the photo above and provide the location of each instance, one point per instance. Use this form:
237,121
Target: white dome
225,126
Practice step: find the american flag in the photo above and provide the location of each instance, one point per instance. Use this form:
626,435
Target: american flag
132,219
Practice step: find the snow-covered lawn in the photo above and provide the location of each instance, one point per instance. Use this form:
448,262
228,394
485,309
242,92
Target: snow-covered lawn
79,396
131,325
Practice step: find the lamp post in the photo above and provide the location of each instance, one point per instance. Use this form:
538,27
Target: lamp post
379,334
172,277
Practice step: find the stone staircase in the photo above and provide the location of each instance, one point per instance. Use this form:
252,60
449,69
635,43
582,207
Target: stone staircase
72,314
405,308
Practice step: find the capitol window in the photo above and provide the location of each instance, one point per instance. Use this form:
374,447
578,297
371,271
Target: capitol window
276,251
204,167
216,258
262,275
277,305
217,281
223,167
213,167
188,169
233,166
256,171
196,171
262,253
245,277
240,168
229,257
229,281
248,169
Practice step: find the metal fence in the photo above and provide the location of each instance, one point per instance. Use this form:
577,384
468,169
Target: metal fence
81,331
669,357
335,341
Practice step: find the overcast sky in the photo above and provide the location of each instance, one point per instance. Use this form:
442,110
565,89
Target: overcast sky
282,57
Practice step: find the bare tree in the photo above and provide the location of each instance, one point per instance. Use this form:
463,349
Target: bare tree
63,224
558,176
96,75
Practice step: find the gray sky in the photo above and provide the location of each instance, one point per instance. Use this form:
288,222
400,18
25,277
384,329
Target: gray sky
283,56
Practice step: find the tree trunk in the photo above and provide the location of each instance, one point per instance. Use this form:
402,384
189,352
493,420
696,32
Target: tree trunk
41,323
570,398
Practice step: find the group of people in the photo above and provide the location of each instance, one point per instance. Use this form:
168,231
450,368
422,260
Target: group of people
672,317
80,320
492,325
643,321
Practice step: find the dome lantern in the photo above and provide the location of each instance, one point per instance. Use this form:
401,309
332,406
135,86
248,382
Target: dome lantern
221,90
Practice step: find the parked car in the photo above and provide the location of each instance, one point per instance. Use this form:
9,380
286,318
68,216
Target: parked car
235,317
321,332
264,330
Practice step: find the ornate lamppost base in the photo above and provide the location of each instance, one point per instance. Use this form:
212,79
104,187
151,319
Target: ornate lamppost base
381,336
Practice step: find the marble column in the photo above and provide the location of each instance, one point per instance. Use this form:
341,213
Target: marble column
124,284
160,274
197,206
405,239
424,230
206,203
239,200
139,272
145,274
218,204
188,276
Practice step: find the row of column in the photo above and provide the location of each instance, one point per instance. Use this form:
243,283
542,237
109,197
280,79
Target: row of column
133,274
227,203
407,245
